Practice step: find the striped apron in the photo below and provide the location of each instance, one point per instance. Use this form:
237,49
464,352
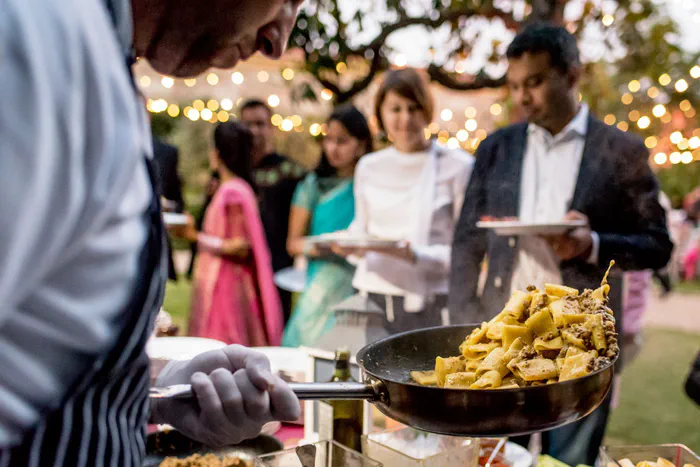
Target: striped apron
103,420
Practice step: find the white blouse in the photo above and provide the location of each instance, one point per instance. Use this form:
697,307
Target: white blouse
413,197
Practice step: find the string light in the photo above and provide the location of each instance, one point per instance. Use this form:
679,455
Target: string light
193,114
651,142
685,105
434,128
145,81
687,157
644,122
446,115
237,78
481,133
287,125
277,119
471,125
213,105
610,119
675,157
664,79
341,68
263,76
327,94
659,111
288,74
463,135
627,98
695,72
173,110
683,144
226,104
206,114
660,158
190,82
634,115
315,129
608,20
213,79
667,118
676,137
426,133
496,109
198,105
401,61
273,100
623,126
223,116
681,85
634,86
694,142
653,92
690,113
470,112
167,82
296,120
453,143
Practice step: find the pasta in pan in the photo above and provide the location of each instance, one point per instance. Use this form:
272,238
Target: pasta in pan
540,337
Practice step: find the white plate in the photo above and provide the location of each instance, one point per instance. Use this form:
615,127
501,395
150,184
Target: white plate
180,348
516,228
348,240
291,279
173,218
517,455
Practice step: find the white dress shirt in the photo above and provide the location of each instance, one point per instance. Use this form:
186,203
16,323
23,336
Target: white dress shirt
391,202
74,191
549,175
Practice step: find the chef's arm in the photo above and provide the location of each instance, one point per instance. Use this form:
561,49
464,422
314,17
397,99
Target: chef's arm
56,313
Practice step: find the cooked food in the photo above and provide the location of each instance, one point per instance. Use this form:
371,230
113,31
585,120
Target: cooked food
540,337
207,460
660,462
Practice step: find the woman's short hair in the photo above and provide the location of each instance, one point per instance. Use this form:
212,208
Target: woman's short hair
408,83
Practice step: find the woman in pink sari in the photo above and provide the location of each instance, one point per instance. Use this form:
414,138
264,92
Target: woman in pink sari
234,298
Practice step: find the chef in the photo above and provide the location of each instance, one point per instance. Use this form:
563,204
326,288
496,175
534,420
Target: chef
81,241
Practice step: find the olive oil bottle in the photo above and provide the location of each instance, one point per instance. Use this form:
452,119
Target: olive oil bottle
342,420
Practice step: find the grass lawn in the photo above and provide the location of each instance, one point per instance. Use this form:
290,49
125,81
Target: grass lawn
653,407
688,287
177,303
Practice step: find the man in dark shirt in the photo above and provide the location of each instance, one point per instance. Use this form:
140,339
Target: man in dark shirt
276,178
169,186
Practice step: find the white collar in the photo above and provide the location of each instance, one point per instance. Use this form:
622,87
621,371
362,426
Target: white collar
578,125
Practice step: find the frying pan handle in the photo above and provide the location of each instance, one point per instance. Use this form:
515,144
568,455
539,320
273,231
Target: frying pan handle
371,391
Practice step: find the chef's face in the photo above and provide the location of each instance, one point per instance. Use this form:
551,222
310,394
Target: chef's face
185,37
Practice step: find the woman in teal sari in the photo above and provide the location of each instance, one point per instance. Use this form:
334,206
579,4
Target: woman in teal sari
324,203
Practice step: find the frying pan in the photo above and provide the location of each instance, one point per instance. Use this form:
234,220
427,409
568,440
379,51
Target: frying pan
459,412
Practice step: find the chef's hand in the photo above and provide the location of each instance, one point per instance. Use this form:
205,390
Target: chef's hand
236,394
577,243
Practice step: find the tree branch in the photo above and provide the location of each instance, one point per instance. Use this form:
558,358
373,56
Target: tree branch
480,81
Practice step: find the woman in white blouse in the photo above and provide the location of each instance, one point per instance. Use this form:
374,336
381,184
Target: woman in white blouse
411,192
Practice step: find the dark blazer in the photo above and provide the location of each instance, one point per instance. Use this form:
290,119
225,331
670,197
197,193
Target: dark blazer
168,185
166,159
615,189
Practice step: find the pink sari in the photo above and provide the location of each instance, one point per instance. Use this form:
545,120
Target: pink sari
236,301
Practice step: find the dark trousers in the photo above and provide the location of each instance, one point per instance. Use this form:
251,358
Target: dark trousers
286,300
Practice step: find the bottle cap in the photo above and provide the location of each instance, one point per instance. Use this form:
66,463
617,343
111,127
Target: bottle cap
342,353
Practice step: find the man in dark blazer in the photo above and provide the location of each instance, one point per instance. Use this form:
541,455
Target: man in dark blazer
561,163
166,159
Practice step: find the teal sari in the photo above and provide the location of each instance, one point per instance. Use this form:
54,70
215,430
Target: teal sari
328,280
